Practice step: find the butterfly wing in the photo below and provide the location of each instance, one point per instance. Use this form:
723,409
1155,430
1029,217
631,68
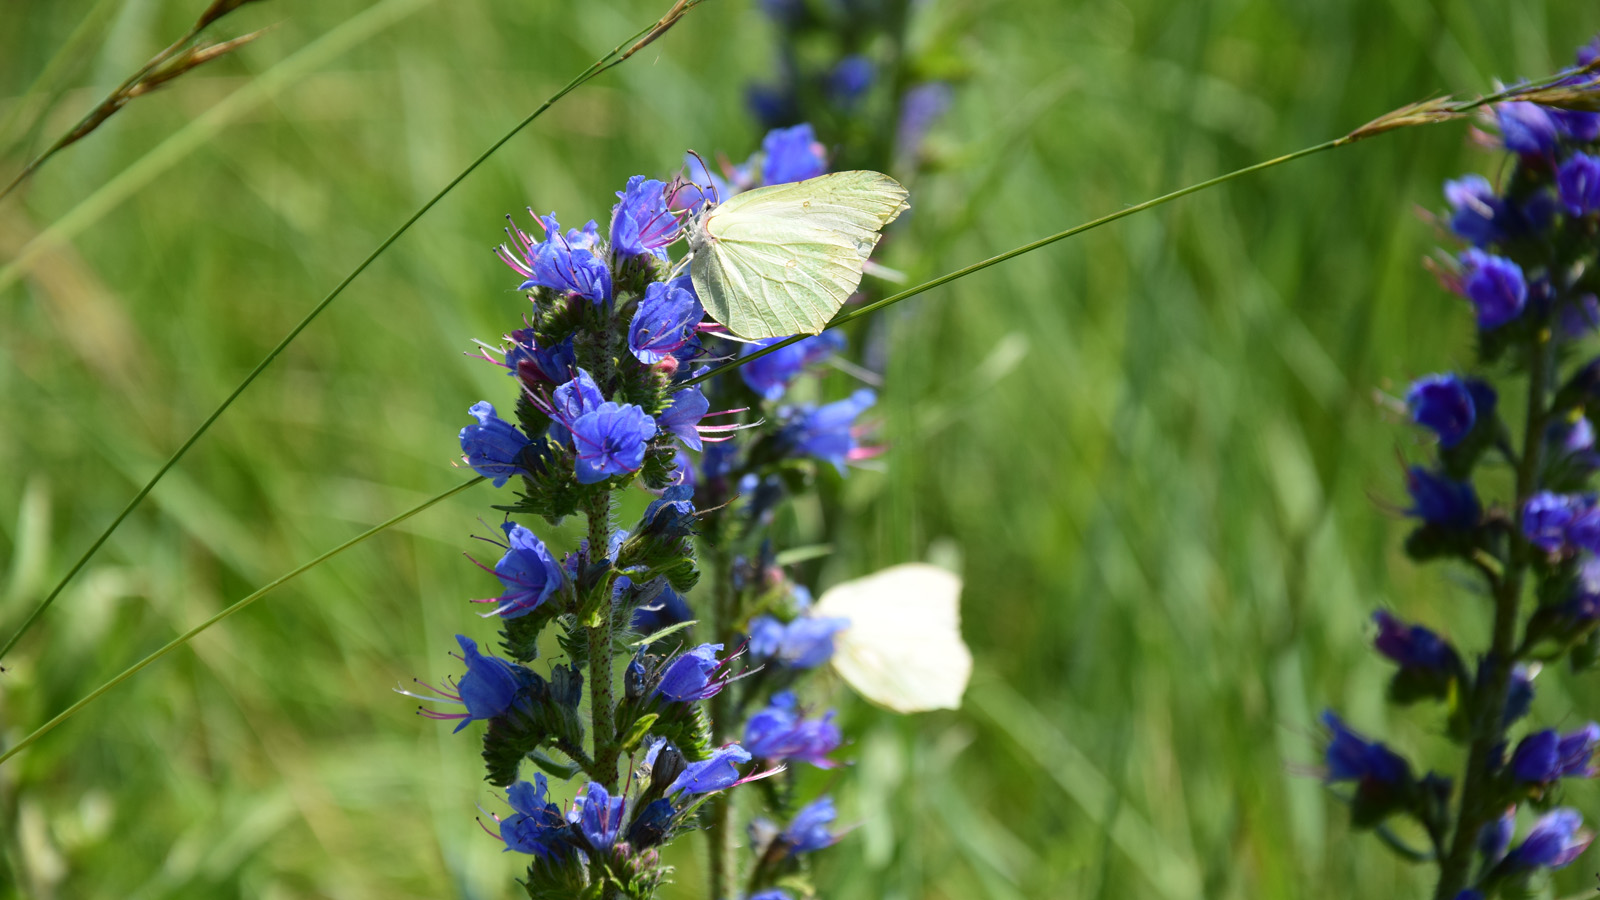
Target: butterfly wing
781,260
903,649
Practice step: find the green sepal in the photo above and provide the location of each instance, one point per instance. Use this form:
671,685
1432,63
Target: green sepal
562,771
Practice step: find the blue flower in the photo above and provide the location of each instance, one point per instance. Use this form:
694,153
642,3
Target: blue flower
490,685
1351,757
539,365
1444,404
492,446
808,830
805,643
1441,501
565,263
1476,212
791,154
920,109
1556,839
849,80
1578,184
771,374
670,517
774,894
668,608
828,432
682,414
665,321
598,816
1413,647
611,441
1552,521
641,223
779,732
1526,128
1544,756
528,572
537,827
576,398
693,675
713,774
1495,286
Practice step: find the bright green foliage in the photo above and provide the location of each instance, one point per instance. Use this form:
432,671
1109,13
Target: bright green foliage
1155,447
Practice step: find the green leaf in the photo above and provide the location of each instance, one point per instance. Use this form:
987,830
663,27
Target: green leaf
670,629
640,728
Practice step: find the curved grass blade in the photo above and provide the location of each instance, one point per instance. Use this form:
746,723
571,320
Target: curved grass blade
237,606
1426,112
616,57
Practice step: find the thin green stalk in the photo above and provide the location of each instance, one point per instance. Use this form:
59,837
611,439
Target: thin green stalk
189,635
615,58
1427,112
1489,699
871,308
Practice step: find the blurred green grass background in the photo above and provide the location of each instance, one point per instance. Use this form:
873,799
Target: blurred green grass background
1156,448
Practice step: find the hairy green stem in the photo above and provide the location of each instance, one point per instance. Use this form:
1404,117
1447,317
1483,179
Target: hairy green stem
1494,681
598,630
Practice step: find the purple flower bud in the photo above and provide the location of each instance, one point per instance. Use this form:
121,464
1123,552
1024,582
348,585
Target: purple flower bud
1578,184
713,774
492,447
791,154
610,441
1413,647
1557,839
849,80
1495,836
1351,757
1495,286
1441,501
1476,212
651,826
780,733
536,365
1444,404
1526,128
1544,756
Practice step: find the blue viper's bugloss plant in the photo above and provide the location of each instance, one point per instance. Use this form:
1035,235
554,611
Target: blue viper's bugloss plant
610,336
1528,273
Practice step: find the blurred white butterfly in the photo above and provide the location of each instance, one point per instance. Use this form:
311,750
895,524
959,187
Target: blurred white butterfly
782,259
903,649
